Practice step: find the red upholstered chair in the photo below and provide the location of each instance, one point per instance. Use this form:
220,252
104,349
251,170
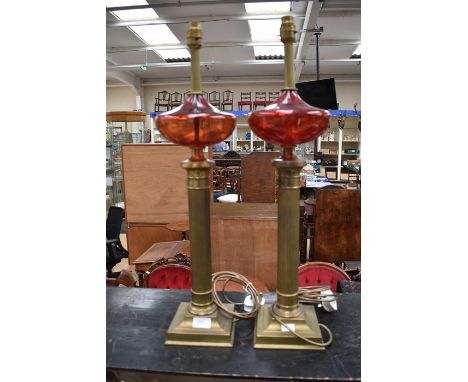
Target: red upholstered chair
318,273
171,273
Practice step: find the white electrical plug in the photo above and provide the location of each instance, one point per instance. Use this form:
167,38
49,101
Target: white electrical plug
328,303
248,303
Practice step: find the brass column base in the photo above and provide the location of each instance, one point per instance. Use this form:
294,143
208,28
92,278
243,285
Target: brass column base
220,332
269,333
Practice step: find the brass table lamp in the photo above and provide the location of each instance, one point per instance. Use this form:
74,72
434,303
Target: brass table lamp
197,124
288,122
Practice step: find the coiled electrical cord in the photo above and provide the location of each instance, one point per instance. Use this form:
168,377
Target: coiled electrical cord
237,278
313,295
306,295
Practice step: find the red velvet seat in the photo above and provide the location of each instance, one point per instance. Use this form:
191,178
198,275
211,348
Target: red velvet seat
318,273
171,273
170,277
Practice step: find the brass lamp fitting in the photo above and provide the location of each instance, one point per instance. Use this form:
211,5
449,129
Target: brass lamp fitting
194,42
288,38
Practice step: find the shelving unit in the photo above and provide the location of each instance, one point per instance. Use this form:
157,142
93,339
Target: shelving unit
122,127
336,143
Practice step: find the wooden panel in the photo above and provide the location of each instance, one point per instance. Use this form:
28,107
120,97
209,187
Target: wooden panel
125,116
244,240
142,236
337,233
259,178
166,249
155,184
245,210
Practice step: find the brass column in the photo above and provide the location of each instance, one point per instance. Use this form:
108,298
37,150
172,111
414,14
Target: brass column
198,183
200,322
287,304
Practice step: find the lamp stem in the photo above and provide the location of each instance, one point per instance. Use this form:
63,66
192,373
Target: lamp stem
194,42
288,37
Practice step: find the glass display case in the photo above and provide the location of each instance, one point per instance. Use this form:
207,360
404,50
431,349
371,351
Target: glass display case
122,127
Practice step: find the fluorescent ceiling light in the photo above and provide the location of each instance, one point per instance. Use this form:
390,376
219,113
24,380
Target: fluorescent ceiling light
265,30
173,53
131,14
150,34
269,50
273,7
357,52
156,34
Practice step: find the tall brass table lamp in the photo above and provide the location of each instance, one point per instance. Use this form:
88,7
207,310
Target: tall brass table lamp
288,122
198,124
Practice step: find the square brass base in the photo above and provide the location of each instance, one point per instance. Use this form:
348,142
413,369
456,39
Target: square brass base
181,331
269,334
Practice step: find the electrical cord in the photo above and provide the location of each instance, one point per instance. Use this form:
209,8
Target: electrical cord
237,278
328,342
313,294
310,294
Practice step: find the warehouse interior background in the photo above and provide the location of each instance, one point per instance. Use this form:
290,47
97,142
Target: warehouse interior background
414,202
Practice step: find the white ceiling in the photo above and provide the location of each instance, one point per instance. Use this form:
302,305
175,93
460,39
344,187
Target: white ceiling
340,19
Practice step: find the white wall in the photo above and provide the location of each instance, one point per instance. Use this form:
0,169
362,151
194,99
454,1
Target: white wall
123,98
120,99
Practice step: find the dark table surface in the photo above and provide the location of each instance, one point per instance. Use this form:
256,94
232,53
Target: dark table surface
137,320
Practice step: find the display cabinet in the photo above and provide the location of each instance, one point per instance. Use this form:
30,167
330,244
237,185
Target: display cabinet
340,143
122,127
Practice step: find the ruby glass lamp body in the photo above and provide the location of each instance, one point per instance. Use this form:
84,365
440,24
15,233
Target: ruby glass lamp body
196,123
289,121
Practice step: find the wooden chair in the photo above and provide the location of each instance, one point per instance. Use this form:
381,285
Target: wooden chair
335,216
319,273
214,99
219,179
260,100
273,96
163,100
186,95
176,99
228,97
176,273
205,95
169,273
232,176
246,100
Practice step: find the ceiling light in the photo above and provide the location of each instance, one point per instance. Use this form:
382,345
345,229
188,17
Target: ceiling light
150,34
173,53
265,30
269,50
271,7
131,14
